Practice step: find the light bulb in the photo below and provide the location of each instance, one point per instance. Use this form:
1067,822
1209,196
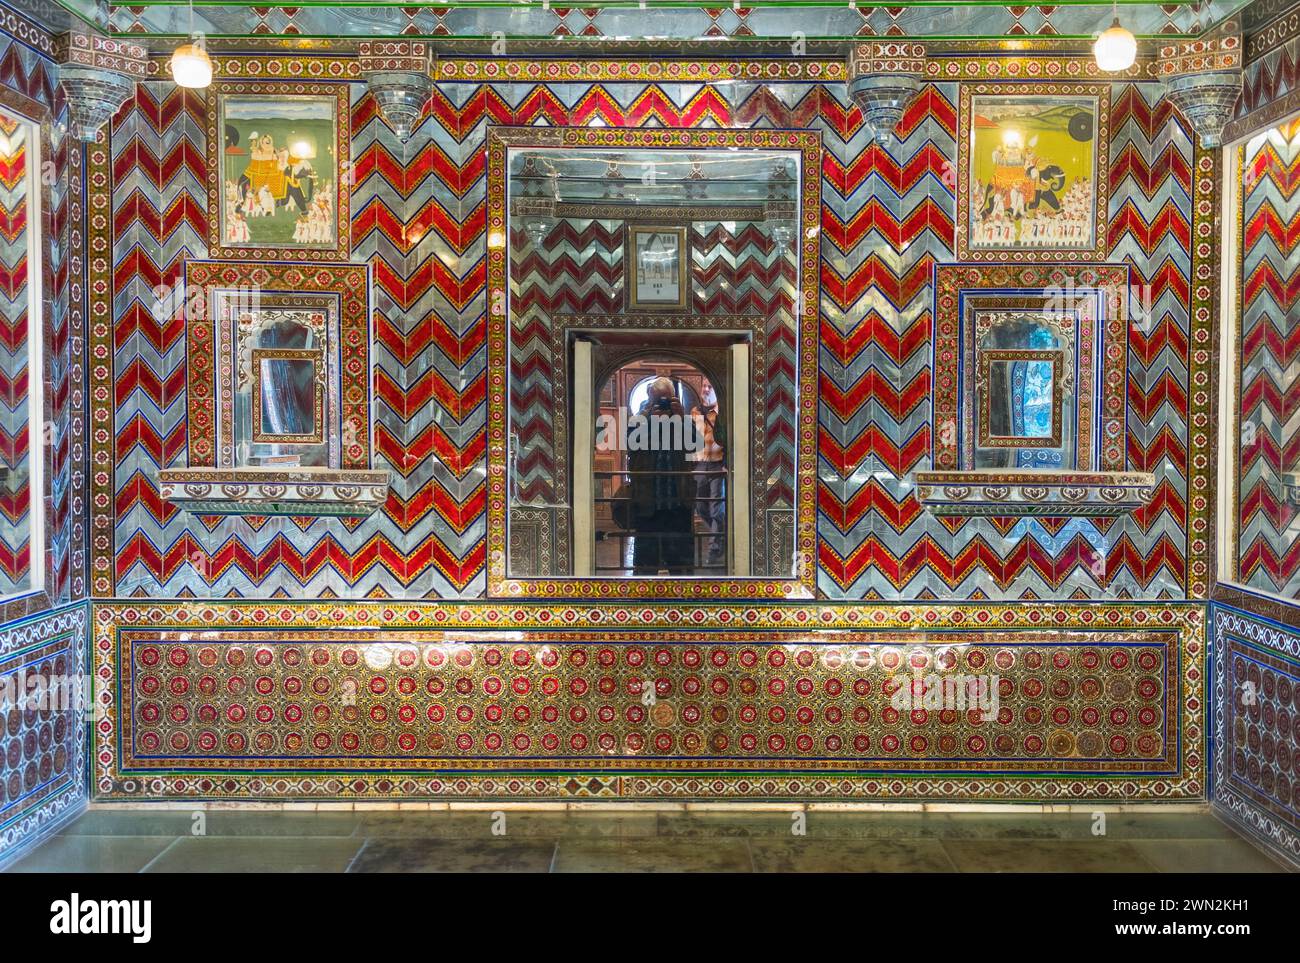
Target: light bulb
191,66
1115,49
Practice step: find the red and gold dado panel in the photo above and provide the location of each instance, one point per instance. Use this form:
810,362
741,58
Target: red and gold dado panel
321,700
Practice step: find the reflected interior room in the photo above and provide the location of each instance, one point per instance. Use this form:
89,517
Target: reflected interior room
657,424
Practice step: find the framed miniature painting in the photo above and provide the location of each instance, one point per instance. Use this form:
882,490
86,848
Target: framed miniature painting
277,185
1032,172
657,261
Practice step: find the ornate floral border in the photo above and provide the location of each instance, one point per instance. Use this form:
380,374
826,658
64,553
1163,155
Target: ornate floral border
343,147
103,455
350,283
650,620
808,143
552,60
953,281
1101,180
1202,448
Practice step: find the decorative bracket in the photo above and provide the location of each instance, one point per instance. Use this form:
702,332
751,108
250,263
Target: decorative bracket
328,492
884,76
1203,79
398,75
98,75
1034,493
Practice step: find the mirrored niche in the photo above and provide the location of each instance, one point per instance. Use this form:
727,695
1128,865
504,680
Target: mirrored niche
24,439
653,325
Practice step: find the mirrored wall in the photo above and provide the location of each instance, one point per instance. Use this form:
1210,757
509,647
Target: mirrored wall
21,436
1262,338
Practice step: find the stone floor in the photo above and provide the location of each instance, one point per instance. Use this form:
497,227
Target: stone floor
144,840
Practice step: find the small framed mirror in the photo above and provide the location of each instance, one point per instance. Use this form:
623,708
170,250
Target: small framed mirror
653,323
1030,371
1024,390
281,415
278,392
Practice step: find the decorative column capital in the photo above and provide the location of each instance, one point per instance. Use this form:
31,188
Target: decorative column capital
98,75
1202,78
398,75
884,76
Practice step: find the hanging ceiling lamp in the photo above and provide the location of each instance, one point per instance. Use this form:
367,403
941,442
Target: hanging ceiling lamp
191,65
1116,48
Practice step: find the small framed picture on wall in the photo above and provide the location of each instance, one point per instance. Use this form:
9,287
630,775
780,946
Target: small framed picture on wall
1032,172
277,171
657,260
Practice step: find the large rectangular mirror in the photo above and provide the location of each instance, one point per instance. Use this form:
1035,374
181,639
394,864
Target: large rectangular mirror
653,318
23,442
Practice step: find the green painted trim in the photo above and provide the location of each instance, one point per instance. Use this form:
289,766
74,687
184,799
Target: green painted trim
73,12
659,4
577,42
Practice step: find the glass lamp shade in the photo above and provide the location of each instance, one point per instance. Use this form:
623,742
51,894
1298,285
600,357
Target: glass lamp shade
191,66
1115,49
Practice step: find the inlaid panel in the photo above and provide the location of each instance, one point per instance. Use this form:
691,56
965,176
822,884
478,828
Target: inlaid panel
1257,728
345,702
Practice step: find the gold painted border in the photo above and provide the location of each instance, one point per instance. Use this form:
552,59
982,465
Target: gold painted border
987,440
1202,384
1101,179
102,427
1188,620
319,361
1023,59
808,143
342,247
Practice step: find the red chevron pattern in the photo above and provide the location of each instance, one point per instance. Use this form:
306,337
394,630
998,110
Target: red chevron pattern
15,377
887,218
1268,522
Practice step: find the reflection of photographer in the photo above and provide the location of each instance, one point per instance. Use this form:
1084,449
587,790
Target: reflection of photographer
662,492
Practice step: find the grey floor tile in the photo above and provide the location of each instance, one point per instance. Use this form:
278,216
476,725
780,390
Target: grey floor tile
212,822
487,824
642,840
1098,855
661,855
1205,856
267,854
1140,825
885,825
93,854
811,855
437,855
130,822
224,822
725,825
